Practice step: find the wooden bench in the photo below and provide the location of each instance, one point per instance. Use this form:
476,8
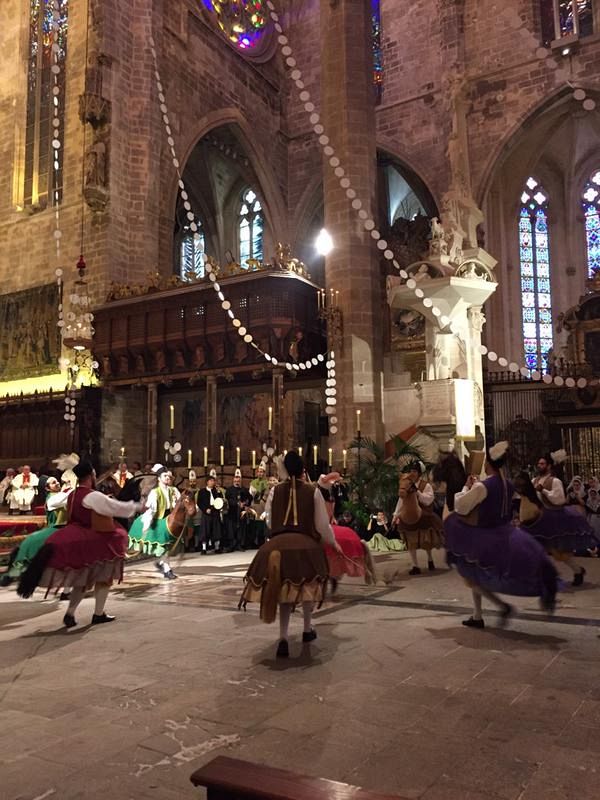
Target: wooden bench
231,779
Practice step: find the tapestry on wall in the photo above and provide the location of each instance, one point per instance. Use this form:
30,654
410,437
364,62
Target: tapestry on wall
29,336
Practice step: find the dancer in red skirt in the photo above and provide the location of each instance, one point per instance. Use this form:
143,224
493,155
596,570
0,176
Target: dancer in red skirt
354,557
88,553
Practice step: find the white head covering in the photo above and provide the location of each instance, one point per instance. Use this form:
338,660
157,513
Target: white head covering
237,473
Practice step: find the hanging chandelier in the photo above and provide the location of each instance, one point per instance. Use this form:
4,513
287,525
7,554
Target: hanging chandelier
77,329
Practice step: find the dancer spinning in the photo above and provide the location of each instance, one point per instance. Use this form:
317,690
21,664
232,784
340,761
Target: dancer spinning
420,528
291,567
87,553
150,533
561,529
355,558
489,552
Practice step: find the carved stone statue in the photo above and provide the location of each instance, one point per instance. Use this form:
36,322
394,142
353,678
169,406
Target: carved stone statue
95,165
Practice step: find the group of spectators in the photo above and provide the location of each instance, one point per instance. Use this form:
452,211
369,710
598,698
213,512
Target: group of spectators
586,495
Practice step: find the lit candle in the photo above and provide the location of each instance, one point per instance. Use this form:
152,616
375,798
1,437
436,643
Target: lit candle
300,452
237,456
358,421
337,298
319,299
270,418
189,459
331,297
284,453
172,410
254,459
206,456
315,454
122,452
345,458
330,457
222,452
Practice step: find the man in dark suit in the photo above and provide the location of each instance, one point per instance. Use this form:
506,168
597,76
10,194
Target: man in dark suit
238,499
208,502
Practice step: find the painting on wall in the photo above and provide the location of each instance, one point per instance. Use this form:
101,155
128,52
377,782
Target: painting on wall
243,423
29,338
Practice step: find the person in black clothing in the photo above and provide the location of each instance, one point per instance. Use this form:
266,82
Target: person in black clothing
238,498
208,502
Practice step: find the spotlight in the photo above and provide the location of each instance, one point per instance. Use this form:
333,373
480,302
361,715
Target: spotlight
565,51
324,243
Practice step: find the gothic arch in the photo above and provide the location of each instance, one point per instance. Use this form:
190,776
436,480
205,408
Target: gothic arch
274,205
415,175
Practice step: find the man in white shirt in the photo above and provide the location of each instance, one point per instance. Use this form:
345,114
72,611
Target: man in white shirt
159,505
426,534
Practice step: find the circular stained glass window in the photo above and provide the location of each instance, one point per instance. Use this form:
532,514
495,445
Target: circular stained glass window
242,21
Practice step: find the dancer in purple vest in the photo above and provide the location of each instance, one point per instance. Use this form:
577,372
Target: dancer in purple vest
489,552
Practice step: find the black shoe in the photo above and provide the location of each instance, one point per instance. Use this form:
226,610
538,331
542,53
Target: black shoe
283,649
203,552
505,614
310,636
98,619
431,566
170,575
69,621
5,580
415,571
578,579
474,623
65,596
158,567
334,585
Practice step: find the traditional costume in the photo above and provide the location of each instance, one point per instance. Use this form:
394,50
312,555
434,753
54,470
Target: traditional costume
23,492
56,517
150,532
87,553
122,475
211,503
426,532
489,552
561,529
382,539
291,568
257,521
6,487
238,500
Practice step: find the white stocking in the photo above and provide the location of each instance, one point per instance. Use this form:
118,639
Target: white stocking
76,597
413,558
100,595
476,604
307,610
285,612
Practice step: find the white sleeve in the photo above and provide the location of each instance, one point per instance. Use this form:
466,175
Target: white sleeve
108,506
468,499
322,519
398,507
57,500
556,495
151,505
268,504
426,497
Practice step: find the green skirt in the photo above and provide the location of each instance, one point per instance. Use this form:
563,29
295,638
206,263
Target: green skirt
29,548
381,544
155,542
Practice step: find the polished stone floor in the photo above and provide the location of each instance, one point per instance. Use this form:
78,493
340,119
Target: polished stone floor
394,695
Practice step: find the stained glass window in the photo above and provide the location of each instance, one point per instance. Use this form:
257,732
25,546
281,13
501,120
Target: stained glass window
591,208
242,21
191,254
536,293
377,48
251,228
562,18
45,88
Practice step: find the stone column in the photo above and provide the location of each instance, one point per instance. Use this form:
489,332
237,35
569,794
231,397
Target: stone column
211,417
352,268
277,402
152,423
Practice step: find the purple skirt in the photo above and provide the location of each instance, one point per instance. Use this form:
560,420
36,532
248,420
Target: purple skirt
564,529
503,559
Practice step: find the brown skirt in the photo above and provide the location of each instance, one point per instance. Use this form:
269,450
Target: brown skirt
289,568
426,534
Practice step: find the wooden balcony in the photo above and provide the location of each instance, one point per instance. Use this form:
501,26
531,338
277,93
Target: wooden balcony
184,332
